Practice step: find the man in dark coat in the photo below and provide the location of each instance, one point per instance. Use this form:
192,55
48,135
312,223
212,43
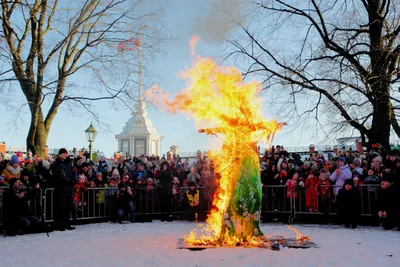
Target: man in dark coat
16,214
349,207
386,205
64,179
165,191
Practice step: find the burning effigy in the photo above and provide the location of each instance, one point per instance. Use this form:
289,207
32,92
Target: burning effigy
222,104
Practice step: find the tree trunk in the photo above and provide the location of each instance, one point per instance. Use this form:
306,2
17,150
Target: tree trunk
37,136
379,132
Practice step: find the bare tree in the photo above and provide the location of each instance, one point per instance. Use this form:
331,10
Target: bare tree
50,45
341,56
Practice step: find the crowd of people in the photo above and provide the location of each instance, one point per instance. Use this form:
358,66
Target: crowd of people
133,183
129,186
338,180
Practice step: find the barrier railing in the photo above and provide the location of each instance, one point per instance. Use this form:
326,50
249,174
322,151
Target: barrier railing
96,203
305,201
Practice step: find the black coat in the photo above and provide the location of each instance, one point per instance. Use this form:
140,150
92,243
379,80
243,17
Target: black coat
165,183
122,201
385,200
396,201
63,176
13,207
348,202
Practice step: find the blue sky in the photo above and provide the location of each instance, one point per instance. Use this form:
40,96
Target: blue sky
181,23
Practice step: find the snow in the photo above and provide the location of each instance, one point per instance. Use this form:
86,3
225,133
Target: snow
154,244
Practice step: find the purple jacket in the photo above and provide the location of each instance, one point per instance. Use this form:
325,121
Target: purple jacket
339,179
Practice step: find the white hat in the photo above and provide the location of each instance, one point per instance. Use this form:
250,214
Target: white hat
45,163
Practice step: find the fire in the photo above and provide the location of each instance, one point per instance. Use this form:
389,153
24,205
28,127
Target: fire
193,42
299,236
223,105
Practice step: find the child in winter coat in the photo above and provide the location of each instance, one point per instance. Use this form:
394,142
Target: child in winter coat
323,188
292,191
311,192
79,188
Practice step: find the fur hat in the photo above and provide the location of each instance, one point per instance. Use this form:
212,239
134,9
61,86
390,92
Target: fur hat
62,151
14,160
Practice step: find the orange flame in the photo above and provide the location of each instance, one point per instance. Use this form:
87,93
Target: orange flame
222,104
299,236
193,42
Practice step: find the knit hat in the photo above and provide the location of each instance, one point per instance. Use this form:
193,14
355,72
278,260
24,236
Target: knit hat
62,151
378,158
342,159
14,160
45,163
115,172
12,181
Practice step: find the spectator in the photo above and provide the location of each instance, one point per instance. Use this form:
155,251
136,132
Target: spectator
341,174
165,191
323,192
193,176
386,204
123,203
348,204
16,217
193,204
79,188
64,180
311,192
12,170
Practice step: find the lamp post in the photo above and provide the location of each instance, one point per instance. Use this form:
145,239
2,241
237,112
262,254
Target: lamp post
90,135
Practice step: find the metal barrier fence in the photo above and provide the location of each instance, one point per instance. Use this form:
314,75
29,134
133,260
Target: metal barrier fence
305,201
96,203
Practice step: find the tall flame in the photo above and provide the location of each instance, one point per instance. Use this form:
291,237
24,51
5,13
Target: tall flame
217,98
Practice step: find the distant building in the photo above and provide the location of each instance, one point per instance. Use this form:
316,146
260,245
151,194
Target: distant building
139,136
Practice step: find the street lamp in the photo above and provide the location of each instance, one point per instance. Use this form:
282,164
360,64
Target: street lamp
90,135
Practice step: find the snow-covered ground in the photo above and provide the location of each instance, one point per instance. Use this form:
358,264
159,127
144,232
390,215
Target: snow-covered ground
154,244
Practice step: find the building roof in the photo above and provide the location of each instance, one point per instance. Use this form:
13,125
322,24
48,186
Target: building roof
139,123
